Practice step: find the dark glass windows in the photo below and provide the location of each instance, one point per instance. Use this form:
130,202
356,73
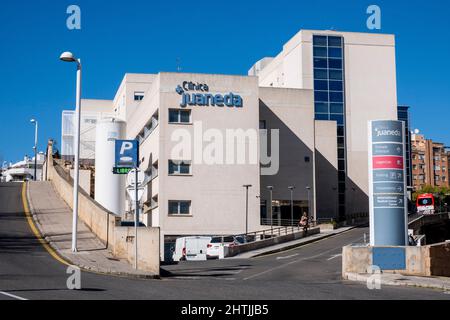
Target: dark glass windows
329,97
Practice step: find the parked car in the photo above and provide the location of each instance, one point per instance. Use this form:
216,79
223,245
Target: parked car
191,248
218,246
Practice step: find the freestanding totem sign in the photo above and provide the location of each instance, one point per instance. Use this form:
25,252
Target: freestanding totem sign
387,184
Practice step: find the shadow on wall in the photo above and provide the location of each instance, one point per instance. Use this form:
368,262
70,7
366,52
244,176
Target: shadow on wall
296,167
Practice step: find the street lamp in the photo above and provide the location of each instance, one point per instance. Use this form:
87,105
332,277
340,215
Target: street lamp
69,57
35,146
270,188
247,186
308,189
292,203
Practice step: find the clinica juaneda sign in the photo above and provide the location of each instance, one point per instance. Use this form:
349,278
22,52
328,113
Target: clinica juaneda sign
198,94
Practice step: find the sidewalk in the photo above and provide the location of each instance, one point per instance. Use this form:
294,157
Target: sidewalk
389,279
53,218
290,245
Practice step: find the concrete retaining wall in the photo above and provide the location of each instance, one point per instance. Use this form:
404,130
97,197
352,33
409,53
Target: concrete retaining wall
233,251
107,226
425,261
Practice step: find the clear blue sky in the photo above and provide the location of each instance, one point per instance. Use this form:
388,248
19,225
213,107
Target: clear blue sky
213,36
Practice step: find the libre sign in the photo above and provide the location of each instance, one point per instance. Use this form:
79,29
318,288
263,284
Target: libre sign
387,184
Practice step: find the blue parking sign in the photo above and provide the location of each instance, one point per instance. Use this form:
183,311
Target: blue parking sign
127,154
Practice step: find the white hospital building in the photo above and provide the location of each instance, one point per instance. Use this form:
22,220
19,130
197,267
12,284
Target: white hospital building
319,92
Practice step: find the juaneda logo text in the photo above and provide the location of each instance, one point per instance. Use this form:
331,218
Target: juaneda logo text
205,98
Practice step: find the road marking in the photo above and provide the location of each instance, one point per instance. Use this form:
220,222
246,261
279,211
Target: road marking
308,244
287,257
13,296
335,256
35,230
292,262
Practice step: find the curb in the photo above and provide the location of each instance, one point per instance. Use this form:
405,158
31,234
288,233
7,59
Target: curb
298,245
68,261
356,277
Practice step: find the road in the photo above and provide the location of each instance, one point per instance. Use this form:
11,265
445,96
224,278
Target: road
27,271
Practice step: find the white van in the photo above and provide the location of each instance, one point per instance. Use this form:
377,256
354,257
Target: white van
191,248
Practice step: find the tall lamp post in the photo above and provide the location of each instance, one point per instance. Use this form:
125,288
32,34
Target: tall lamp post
270,188
247,186
292,204
308,189
69,57
35,146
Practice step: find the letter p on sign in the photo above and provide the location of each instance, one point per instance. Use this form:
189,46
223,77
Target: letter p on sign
126,145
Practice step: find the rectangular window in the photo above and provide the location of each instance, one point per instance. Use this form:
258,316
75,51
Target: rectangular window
341,153
179,116
338,118
336,86
335,74
341,142
337,108
335,63
320,41
321,96
321,107
320,52
334,41
179,167
139,96
320,116
335,52
320,63
320,74
336,96
321,85
179,207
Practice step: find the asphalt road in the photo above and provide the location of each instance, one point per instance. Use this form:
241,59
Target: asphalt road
27,271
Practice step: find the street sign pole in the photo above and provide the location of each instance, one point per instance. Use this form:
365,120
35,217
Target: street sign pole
136,218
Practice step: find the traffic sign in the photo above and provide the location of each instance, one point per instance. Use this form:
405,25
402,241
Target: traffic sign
127,154
132,193
131,178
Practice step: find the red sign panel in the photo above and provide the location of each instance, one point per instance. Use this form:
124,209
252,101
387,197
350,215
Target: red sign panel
388,162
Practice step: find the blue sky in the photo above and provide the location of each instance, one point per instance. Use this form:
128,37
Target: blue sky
209,37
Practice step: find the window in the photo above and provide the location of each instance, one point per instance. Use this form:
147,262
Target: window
179,116
139,96
262,124
335,63
179,167
321,85
321,96
336,86
179,207
320,41
321,107
335,41
336,97
322,116
307,159
320,74
338,118
337,108
320,52
320,63
335,52
335,74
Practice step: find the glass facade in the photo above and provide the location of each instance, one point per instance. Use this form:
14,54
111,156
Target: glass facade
329,98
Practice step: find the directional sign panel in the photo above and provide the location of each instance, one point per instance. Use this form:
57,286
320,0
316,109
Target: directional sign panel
387,183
